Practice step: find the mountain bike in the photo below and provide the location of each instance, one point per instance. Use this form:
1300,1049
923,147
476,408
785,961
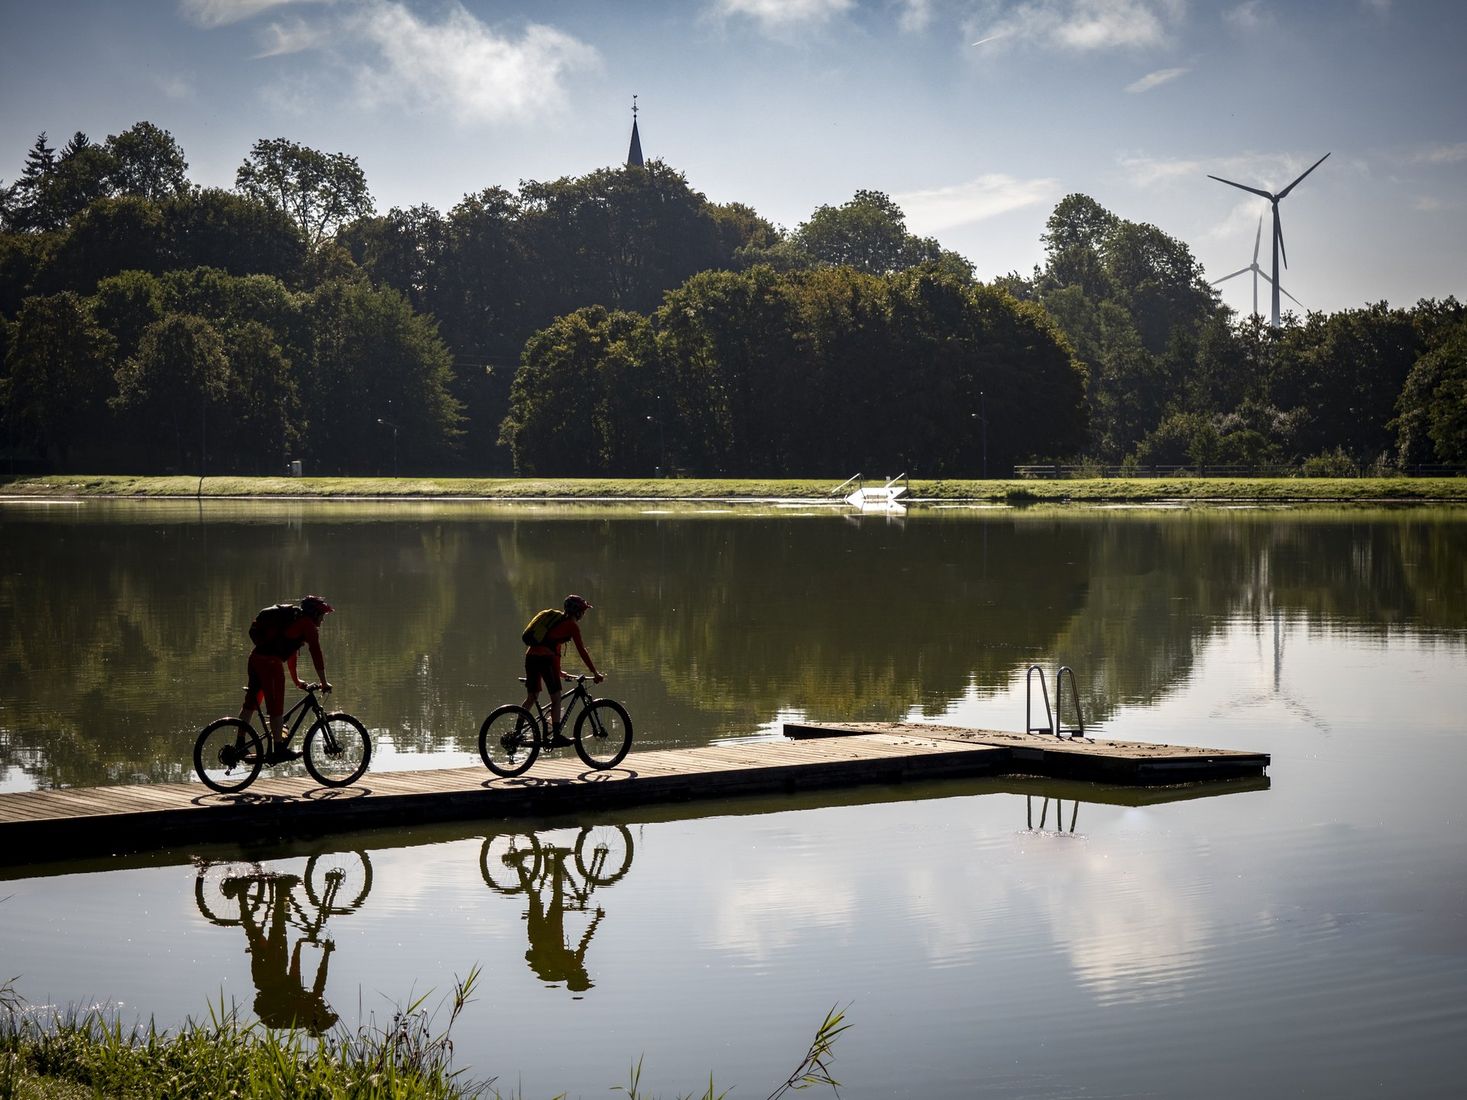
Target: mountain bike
230,752
511,737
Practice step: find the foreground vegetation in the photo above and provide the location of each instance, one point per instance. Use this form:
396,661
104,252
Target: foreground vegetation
410,1057
1011,491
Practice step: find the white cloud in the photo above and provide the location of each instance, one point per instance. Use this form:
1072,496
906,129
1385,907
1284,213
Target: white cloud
988,196
1444,154
465,66
916,15
1151,171
1083,25
218,13
1249,16
1152,80
291,36
175,86
776,15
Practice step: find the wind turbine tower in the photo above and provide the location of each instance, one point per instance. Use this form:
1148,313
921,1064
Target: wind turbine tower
1278,231
1257,271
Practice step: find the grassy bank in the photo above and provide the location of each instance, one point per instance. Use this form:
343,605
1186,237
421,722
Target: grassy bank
1131,490
408,1058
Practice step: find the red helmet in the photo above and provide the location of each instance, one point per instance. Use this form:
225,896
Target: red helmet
315,605
574,604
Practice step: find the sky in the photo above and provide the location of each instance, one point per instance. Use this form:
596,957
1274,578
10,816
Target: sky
976,116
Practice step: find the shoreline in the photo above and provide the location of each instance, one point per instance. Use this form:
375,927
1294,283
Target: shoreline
1170,490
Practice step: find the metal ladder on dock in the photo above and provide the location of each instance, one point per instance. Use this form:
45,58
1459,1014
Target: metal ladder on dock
1053,720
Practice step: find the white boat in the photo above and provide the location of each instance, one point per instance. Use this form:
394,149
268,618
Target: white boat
878,498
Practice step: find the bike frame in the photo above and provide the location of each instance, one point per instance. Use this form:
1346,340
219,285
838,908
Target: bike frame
291,719
576,694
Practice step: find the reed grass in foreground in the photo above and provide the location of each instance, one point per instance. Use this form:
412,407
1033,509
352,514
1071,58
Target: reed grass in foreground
75,1057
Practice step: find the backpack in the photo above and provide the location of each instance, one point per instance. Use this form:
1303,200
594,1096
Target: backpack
541,625
268,629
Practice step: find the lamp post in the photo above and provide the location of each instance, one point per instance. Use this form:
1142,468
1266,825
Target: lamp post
982,417
390,424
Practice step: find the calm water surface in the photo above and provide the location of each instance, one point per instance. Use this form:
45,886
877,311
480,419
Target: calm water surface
1302,934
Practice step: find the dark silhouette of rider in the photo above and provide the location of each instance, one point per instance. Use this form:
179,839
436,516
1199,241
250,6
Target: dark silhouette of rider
281,997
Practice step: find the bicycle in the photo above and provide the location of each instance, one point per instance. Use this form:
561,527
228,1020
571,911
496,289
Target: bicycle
230,752
511,737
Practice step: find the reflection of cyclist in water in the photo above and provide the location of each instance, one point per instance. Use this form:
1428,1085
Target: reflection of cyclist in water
521,864
550,955
281,998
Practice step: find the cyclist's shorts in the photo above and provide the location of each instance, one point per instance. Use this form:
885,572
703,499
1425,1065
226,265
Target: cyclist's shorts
540,669
266,684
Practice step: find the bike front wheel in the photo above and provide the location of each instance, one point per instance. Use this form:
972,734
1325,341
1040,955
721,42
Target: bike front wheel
509,741
603,734
338,882
603,853
337,750
228,755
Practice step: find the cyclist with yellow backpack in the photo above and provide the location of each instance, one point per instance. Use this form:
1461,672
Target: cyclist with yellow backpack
545,636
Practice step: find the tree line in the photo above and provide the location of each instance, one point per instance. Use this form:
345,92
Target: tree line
621,323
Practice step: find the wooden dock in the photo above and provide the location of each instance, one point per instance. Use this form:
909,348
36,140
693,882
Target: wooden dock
68,823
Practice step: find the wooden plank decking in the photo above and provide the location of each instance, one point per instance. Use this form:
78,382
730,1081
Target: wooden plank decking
59,824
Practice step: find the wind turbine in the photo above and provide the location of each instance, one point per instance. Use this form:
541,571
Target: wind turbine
1257,271
1278,232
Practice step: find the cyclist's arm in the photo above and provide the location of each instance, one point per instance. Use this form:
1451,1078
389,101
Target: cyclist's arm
581,649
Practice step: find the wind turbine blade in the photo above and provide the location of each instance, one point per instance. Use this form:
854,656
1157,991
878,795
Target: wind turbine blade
1278,229
1291,298
1257,237
1300,180
1225,278
1241,186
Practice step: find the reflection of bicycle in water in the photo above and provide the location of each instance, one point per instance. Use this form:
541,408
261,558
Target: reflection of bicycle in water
521,863
268,904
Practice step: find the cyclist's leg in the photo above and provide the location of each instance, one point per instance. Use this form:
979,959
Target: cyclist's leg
272,683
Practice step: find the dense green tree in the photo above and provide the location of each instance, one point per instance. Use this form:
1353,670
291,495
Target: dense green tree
57,374
146,162
403,249
318,191
868,233
209,227
29,209
736,390
372,359
1431,421
125,305
180,373
109,236
263,428
578,400
1345,371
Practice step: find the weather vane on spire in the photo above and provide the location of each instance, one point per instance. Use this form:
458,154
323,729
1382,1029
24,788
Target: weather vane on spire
634,152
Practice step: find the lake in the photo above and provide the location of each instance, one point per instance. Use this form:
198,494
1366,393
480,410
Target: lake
1303,934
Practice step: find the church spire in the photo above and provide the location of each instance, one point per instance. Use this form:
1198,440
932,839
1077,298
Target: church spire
634,153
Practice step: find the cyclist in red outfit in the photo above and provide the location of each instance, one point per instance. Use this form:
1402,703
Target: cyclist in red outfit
277,650
542,662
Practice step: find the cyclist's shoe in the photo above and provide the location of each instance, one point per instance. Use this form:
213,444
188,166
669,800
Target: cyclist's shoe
558,740
282,754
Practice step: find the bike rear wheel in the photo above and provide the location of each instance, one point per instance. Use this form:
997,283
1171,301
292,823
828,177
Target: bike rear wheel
228,755
509,862
603,734
337,750
509,741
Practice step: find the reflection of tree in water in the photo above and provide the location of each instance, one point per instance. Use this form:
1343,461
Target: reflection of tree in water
558,881
268,905
709,623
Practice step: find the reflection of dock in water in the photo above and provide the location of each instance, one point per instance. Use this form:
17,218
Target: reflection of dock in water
41,825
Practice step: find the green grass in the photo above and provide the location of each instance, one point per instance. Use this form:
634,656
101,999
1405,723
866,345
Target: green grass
70,1058
1111,489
